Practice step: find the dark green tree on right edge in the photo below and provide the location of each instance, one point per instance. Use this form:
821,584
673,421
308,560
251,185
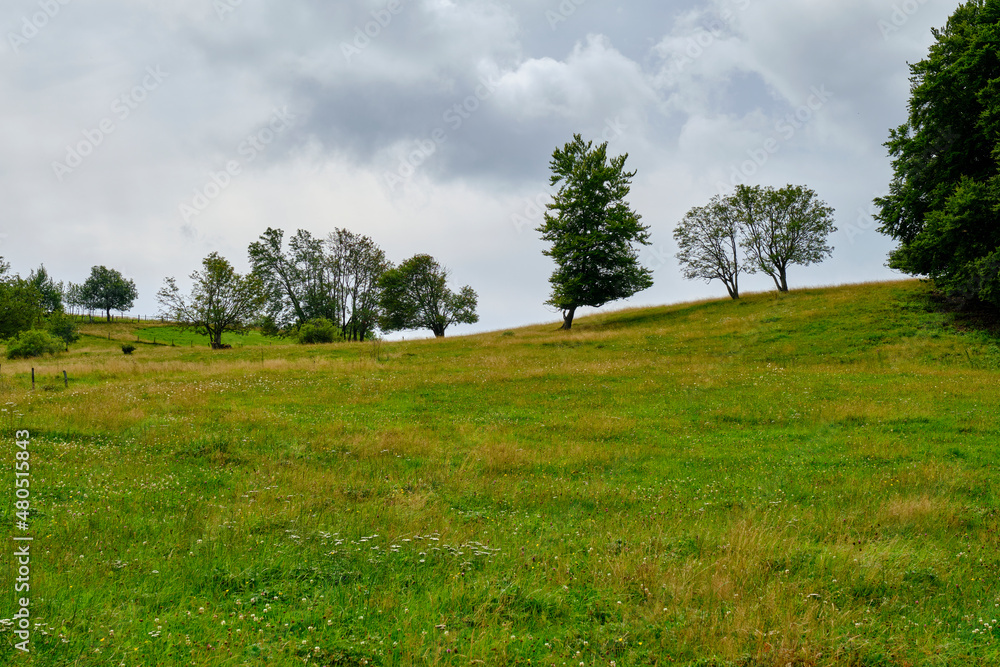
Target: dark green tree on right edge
593,230
944,200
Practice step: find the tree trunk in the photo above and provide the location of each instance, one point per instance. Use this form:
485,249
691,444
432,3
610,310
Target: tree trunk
733,288
568,319
784,280
108,312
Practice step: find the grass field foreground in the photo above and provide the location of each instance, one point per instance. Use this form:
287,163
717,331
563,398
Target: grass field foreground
804,479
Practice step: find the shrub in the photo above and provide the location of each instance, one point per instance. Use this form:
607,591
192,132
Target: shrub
33,343
317,331
128,348
63,327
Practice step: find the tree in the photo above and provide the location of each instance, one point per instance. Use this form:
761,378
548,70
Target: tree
20,304
709,238
944,198
61,326
72,298
415,295
357,264
592,229
298,282
49,290
221,300
107,290
783,227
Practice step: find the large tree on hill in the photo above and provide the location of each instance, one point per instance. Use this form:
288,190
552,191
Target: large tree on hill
106,289
415,295
944,200
592,230
781,228
221,300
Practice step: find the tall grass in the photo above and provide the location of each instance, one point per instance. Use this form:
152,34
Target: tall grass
805,479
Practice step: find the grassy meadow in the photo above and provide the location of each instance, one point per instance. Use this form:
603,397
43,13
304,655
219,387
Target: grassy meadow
804,479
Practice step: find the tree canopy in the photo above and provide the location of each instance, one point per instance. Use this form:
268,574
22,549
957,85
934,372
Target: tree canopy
221,300
21,304
106,289
592,230
333,279
944,198
708,239
781,228
415,295
298,282
48,289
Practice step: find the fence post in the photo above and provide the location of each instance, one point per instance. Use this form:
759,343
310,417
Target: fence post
65,380
32,379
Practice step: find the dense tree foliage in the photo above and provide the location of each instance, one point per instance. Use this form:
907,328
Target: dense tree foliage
357,264
592,230
106,290
415,295
333,279
221,300
944,199
51,292
21,306
298,281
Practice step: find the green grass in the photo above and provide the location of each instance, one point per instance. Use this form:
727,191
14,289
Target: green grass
804,479
172,335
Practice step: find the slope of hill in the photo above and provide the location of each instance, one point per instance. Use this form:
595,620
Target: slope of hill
801,479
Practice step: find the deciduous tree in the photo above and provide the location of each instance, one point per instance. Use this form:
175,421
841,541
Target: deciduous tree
592,230
783,227
106,289
709,241
944,199
221,300
415,295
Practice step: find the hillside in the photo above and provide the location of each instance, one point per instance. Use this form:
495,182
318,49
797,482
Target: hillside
803,479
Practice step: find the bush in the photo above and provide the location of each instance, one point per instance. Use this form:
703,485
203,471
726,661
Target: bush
317,331
33,343
63,327
128,348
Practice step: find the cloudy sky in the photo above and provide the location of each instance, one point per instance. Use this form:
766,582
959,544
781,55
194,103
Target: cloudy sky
143,135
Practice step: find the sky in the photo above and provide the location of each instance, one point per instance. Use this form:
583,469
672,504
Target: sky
143,135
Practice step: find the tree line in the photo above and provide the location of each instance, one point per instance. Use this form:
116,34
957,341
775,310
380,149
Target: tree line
942,208
318,290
